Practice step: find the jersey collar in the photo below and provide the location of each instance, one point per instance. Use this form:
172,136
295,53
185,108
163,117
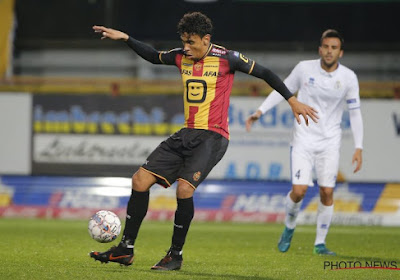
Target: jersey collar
327,74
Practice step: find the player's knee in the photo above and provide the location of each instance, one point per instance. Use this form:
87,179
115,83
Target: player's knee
142,181
298,194
184,191
327,200
326,192
326,195
136,181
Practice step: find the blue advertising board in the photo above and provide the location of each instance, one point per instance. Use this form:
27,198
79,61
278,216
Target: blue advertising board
223,200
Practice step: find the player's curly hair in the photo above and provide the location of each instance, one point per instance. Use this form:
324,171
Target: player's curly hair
195,23
332,33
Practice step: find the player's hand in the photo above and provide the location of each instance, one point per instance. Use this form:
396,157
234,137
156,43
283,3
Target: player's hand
110,33
251,119
357,157
306,111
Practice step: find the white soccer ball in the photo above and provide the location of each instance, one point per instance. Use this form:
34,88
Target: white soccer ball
104,226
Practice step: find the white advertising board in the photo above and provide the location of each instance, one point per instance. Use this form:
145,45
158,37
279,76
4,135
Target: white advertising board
93,149
15,127
261,154
264,152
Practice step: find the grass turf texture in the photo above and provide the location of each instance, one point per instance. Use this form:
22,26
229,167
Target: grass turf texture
56,249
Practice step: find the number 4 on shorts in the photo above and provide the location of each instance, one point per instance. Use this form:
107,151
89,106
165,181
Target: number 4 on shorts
297,175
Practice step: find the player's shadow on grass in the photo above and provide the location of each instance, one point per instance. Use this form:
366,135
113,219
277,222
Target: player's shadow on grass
204,275
126,271
218,276
226,276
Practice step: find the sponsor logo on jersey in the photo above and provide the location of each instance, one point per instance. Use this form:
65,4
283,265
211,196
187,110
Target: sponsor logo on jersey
219,51
216,54
187,64
186,72
210,74
311,81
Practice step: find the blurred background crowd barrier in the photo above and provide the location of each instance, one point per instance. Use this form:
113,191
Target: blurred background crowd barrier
55,49
73,105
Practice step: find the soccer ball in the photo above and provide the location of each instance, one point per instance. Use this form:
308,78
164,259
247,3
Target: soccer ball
104,226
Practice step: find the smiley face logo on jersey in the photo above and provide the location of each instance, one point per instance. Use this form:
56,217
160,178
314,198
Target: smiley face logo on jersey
196,91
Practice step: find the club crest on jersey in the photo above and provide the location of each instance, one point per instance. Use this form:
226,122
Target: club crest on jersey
197,67
311,81
338,85
196,176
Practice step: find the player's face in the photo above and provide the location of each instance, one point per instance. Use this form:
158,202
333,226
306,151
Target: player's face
330,51
195,47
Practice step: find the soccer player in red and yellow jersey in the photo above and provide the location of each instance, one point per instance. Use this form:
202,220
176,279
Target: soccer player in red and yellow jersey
189,155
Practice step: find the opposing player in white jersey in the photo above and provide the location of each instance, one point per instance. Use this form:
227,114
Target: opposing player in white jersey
327,86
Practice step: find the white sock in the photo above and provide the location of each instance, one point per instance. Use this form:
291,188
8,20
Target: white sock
324,218
292,210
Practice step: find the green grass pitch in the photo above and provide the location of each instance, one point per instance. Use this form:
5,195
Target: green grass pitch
56,249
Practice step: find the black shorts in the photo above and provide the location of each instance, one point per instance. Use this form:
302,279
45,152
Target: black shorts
188,154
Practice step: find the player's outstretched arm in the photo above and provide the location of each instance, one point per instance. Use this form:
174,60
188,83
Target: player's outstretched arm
273,99
110,33
299,108
252,119
277,84
145,51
